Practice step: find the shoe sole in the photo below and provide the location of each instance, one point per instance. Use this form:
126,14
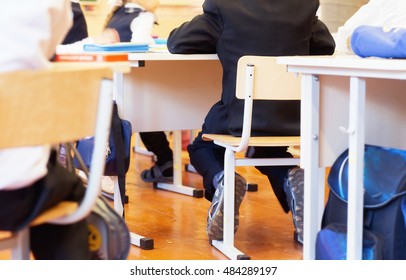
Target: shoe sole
214,228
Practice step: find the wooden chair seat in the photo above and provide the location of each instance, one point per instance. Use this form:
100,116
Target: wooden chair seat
257,141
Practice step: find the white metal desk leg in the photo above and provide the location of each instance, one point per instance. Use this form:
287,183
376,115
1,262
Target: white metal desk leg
177,158
118,205
137,240
118,90
141,241
118,95
310,108
189,167
177,171
321,192
356,168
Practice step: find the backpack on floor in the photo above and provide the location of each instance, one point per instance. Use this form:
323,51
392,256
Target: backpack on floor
109,237
384,230
117,155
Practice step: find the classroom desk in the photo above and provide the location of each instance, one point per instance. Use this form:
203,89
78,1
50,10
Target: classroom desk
346,102
166,92
169,92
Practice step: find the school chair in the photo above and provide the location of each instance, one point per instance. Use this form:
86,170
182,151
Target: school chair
258,77
52,106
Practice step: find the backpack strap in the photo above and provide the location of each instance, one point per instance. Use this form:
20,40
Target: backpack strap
117,131
384,176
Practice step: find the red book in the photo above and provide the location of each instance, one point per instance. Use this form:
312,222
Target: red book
91,57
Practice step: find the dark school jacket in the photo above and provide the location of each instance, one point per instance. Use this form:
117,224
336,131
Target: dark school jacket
78,31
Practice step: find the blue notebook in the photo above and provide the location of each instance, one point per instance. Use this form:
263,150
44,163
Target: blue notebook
160,41
117,47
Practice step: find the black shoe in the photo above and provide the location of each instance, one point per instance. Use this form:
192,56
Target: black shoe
156,173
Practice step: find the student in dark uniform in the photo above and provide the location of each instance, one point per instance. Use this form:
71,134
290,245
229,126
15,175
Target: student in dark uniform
134,21
248,27
78,31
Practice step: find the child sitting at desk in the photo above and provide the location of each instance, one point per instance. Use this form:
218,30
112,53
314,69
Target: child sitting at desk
230,29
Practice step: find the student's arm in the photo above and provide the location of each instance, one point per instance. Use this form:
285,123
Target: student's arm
322,42
61,21
141,28
34,29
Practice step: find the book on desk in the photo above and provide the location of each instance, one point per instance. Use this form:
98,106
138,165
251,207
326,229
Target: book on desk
115,52
99,52
117,47
91,57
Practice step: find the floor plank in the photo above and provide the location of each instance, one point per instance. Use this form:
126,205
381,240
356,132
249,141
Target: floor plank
177,222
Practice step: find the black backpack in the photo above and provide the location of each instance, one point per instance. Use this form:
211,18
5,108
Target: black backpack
384,231
109,237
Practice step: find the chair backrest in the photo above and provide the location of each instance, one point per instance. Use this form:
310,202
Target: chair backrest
56,105
271,80
48,106
260,77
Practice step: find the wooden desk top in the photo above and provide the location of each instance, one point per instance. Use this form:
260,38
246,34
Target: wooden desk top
346,65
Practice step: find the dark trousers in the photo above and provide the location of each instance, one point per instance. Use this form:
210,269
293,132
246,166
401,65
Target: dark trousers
48,241
157,143
208,159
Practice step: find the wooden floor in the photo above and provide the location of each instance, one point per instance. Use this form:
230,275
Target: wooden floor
177,222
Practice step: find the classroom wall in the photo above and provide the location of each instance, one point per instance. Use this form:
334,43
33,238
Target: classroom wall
172,13
335,12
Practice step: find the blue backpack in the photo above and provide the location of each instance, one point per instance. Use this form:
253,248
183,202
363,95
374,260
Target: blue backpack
384,231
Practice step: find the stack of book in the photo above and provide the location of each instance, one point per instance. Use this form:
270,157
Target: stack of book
91,57
102,52
116,47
